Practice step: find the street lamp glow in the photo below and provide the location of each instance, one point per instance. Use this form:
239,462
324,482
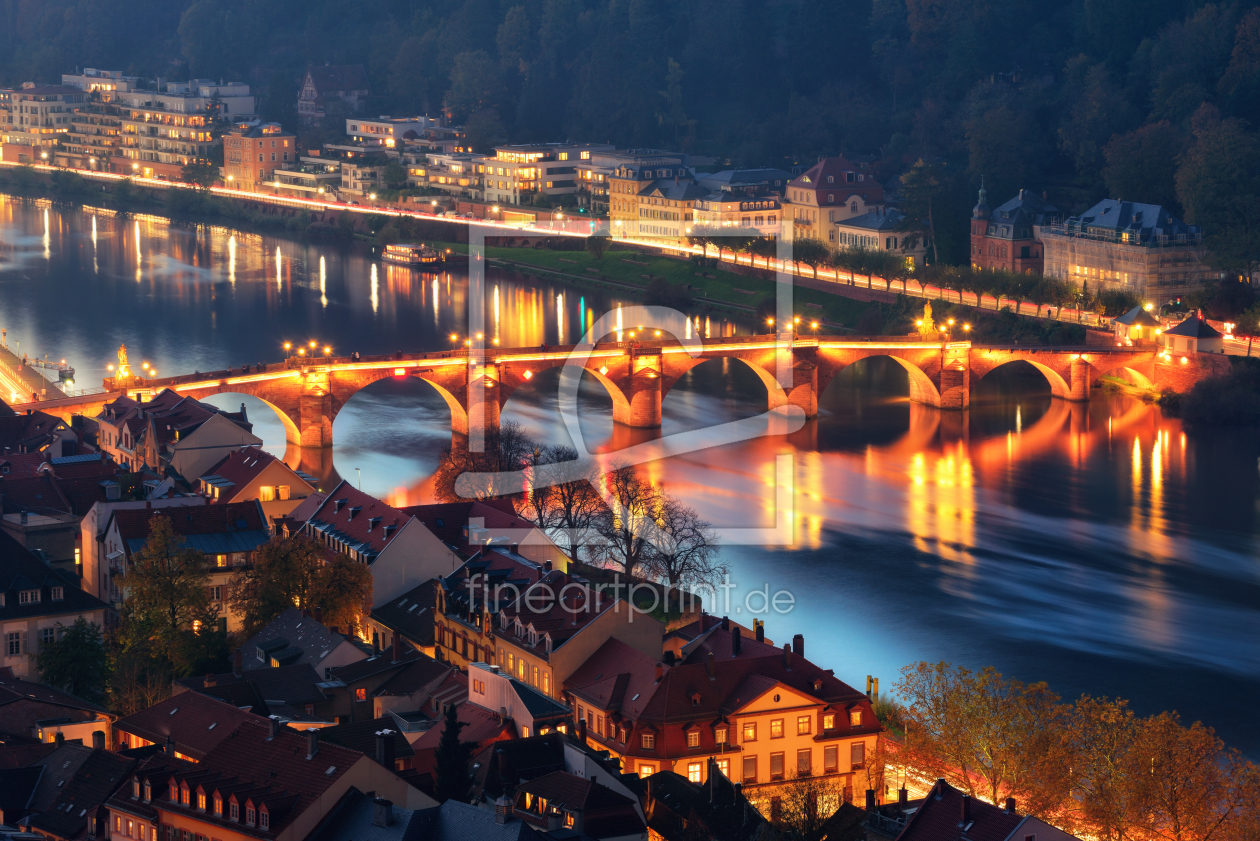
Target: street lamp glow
327,350
454,337
288,345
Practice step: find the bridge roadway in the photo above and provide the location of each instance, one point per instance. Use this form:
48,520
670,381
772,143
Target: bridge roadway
307,393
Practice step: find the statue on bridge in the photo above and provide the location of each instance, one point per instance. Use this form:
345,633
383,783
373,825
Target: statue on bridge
124,369
927,327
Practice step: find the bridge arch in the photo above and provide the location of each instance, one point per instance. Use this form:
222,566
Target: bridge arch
1119,368
776,396
1059,387
292,435
921,387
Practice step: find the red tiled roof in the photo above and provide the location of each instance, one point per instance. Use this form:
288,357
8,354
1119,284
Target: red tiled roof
46,494
940,818
19,756
562,611
815,178
243,466
358,526
571,792
448,520
197,723
481,727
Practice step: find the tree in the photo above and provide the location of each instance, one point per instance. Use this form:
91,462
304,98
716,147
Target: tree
628,525
1100,741
489,473
673,114
920,186
484,129
811,252
1219,186
284,574
343,591
77,662
684,547
167,584
394,175
1183,775
450,771
567,510
805,805
476,84
596,245
201,173
1142,165
990,736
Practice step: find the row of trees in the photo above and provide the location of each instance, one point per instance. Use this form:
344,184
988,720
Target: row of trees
169,624
1092,768
612,517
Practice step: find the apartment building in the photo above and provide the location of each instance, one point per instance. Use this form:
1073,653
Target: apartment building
829,192
389,132
883,230
724,209
1009,237
638,172
517,174
105,84
310,177
39,116
164,131
94,137
253,152
1138,248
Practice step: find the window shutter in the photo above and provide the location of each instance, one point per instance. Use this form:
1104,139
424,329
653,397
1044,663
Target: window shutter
25,648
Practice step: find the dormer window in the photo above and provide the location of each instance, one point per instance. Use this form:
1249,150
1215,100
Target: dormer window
234,811
264,819
184,794
135,787
218,806
58,593
148,792
354,510
174,792
855,718
831,179
28,597
251,816
719,735
373,522
201,801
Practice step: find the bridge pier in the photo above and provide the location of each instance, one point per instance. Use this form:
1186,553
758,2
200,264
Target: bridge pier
642,409
314,422
1081,377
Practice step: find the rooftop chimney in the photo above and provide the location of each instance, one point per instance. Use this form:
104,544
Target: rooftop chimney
59,739
1010,805
397,648
98,739
760,630
382,812
966,810
798,645
581,730
312,742
273,727
385,748
903,798
502,715
787,656
737,640
546,566
319,615
170,743
726,623
710,667
870,800
660,672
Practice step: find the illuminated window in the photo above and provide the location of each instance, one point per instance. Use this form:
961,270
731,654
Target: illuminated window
750,731
360,694
803,727
201,801
830,759
646,770
719,735
776,729
855,718
649,741
829,722
694,771
693,739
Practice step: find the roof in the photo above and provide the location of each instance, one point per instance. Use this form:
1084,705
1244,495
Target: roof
260,130
212,529
449,520
940,818
95,780
556,607
17,789
1138,316
514,760
455,821
20,570
19,756
480,725
1194,327
352,818
356,521
29,432
538,704
377,664
15,689
740,179
572,792
291,638
889,220
49,493
423,674
1027,208
171,415
361,736
716,808
411,614
239,468
293,684
197,723
838,169
335,78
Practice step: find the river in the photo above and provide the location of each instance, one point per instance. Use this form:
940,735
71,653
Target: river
1099,546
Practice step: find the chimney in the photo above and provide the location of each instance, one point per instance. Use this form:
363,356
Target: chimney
581,730
59,739
966,810
385,748
382,812
737,640
23,518
376,643
798,645
319,615
787,656
660,672
237,665
170,743
739,789
502,715
710,666
726,623
98,739
209,681
1010,805
870,800
397,649
546,566
306,613
553,822
312,742
761,630
273,727
903,798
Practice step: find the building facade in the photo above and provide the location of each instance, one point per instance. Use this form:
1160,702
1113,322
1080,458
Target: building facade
39,118
884,230
164,131
829,192
635,172
253,152
725,209
1137,248
343,84
1009,237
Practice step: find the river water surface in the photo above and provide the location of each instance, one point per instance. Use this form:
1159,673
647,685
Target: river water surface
1099,546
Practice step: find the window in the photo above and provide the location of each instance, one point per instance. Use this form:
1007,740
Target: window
750,731
719,735
855,718
201,801
546,685
693,739
776,729
724,765
135,787
804,763
234,811
267,493
649,741
831,760
47,636
694,772
28,597
857,755
776,766
360,694
803,727
218,806
249,815
184,795
829,722
59,593
646,770
750,769
264,820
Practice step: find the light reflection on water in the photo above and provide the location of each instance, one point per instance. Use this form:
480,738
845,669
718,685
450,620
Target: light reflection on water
1097,546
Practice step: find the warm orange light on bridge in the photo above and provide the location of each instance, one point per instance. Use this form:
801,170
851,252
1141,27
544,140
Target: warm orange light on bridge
288,345
398,372
313,343
528,374
769,321
1184,360
327,350
603,369
109,367
967,328
454,337
301,351
658,332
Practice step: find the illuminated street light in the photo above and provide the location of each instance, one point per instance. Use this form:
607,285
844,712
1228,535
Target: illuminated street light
288,345
327,351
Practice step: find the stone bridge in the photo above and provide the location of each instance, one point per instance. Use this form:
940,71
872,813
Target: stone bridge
307,393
